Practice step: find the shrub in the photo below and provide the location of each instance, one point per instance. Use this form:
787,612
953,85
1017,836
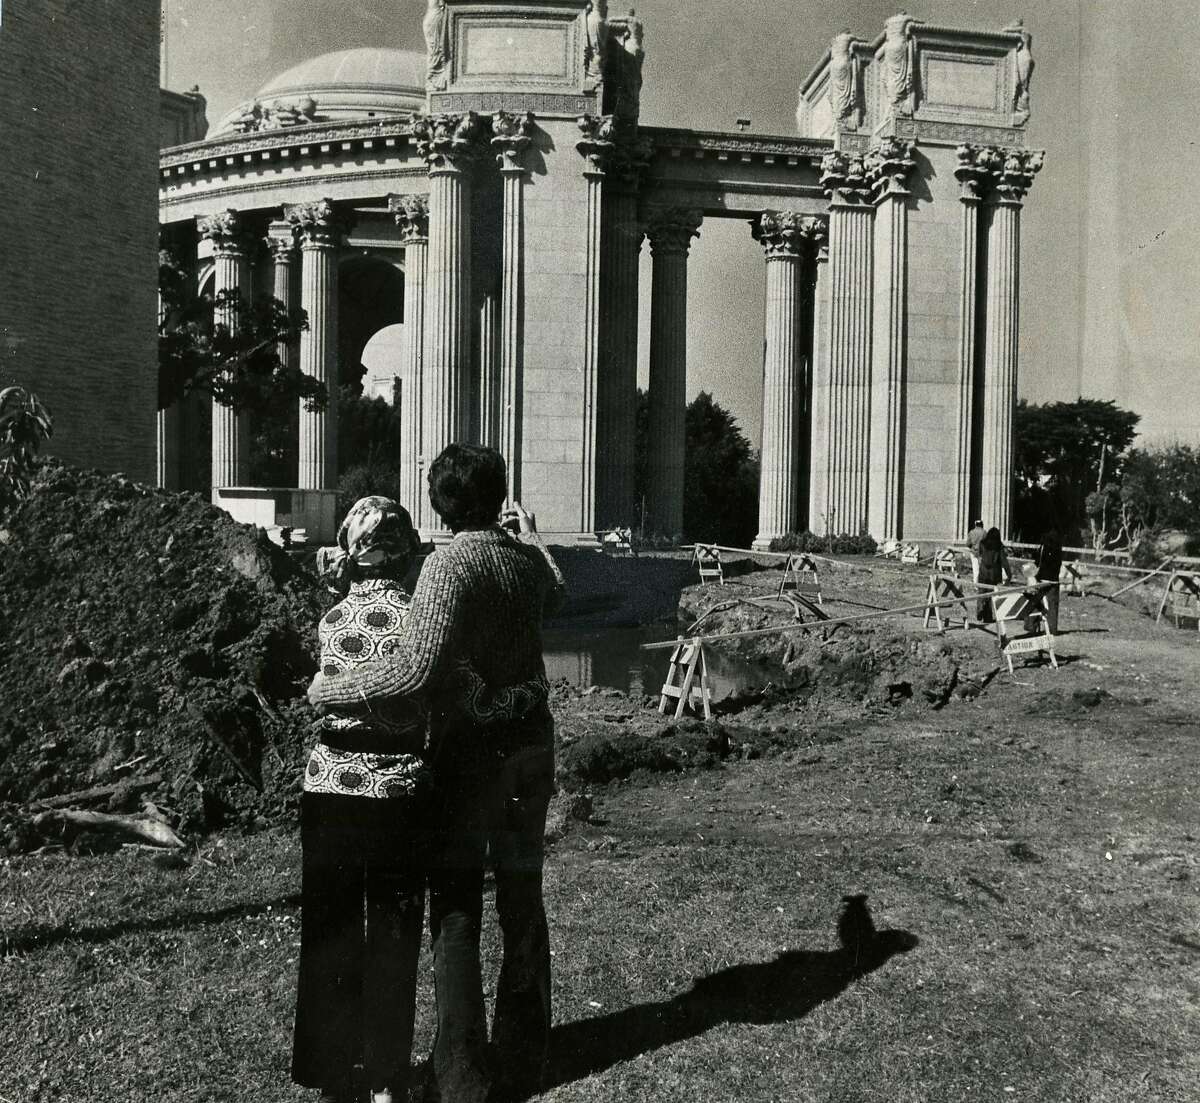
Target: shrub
24,424
376,476
842,544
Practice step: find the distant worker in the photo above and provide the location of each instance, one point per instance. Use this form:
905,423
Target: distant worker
1049,568
974,539
994,568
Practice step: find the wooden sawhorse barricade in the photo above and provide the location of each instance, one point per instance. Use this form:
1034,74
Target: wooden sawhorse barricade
945,562
1075,579
946,587
1008,608
692,689
1182,595
707,558
910,555
618,542
800,574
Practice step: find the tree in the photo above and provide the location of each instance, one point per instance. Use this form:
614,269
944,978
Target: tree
721,472
1064,451
25,424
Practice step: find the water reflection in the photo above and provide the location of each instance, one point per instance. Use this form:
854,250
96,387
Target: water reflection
612,657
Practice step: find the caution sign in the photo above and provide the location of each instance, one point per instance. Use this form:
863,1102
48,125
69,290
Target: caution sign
910,555
1029,610
945,562
687,682
800,574
1181,598
707,558
945,587
618,542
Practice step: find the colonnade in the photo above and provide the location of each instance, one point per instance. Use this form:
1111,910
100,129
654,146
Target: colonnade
835,341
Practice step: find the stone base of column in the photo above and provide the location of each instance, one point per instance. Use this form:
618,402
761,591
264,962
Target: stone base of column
762,542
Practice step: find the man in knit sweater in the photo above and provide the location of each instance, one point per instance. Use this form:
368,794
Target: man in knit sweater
481,598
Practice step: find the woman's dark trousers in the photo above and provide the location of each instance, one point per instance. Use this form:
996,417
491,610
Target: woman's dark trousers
363,903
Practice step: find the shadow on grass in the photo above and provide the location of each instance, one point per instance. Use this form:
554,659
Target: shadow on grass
42,937
777,991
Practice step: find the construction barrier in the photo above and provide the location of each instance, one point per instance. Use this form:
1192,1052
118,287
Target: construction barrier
945,562
1182,595
1076,580
910,555
707,558
943,588
800,574
687,664
618,542
1027,607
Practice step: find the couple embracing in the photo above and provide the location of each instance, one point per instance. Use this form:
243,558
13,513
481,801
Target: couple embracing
435,761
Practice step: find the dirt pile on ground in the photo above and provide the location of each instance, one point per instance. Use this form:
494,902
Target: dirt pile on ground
150,643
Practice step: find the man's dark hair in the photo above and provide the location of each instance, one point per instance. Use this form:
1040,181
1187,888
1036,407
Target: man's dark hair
467,485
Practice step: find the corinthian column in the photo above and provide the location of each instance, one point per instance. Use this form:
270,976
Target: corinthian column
786,237
849,411
670,233
412,216
1012,173
449,143
616,387
320,228
596,145
818,481
230,430
168,423
512,136
971,174
888,167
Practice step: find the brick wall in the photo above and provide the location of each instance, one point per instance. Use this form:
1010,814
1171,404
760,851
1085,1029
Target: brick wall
79,127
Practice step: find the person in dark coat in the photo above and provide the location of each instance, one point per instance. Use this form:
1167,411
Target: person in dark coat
994,568
1049,569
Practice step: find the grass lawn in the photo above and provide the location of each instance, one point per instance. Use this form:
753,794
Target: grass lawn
1042,893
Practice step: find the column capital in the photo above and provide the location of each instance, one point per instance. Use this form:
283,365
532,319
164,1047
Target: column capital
225,230
790,234
449,141
512,135
631,159
1004,173
888,165
411,213
598,141
281,241
671,230
844,178
318,224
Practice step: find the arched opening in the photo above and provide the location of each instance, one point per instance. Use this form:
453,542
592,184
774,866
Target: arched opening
370,299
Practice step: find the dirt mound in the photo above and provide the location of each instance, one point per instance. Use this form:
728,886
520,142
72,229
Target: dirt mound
144,635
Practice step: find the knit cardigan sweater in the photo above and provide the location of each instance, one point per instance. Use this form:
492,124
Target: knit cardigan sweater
480,598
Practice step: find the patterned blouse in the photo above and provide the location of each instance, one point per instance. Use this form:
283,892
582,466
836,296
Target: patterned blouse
365,627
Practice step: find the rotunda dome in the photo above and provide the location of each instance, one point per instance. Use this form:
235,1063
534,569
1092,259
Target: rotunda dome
345,84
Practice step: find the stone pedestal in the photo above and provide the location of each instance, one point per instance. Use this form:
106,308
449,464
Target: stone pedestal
449,143
320,227
412,216
851,230
230,430
888,167
670,234
786,237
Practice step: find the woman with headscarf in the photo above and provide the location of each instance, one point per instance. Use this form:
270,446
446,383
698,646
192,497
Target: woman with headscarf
365,825
994,568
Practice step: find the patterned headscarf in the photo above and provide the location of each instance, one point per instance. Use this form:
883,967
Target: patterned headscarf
375,531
